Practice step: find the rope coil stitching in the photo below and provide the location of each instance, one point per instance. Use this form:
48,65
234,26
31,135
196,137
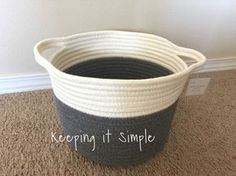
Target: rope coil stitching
116,97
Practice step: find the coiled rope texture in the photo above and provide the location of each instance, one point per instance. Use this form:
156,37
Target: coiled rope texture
116,97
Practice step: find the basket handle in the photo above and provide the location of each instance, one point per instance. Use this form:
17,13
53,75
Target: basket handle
193,54
44,45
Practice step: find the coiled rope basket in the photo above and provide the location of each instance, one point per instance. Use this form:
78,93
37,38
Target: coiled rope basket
124,82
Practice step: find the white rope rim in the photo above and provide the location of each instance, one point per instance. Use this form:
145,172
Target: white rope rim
116,97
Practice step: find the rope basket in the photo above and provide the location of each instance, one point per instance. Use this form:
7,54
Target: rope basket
122,81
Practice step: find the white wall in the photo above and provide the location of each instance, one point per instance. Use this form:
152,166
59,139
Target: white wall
206,25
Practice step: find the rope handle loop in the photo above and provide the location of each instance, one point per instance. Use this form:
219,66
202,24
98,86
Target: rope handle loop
199,58
44,45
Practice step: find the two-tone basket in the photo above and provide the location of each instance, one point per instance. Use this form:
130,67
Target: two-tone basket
125,82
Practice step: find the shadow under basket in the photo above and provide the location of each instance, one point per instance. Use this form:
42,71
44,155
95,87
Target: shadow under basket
128,139
116,91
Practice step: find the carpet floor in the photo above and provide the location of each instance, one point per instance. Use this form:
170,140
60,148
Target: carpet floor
202,140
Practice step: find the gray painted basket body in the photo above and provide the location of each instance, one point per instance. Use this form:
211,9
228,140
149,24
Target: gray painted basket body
116,152
125,82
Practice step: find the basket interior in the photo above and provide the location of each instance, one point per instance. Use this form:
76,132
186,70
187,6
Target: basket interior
118,68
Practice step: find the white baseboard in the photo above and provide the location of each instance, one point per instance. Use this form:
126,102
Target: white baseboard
218,64
23,83
29,82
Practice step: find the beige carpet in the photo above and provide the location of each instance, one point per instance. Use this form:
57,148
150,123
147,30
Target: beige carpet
202,139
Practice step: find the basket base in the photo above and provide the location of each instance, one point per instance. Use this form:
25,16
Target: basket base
116,141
